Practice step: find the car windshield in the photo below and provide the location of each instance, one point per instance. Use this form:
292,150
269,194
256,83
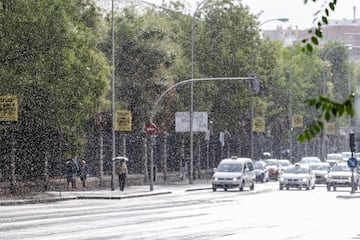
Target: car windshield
271,163
309,160
230,167
284,163
319,167
258,165
296,170
341,168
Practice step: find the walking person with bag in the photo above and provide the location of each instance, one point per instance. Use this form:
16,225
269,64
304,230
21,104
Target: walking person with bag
122,171
72,169
84,171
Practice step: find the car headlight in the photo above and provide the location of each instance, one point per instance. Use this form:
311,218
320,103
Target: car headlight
304,179
282,179
349,178
236,178
215,178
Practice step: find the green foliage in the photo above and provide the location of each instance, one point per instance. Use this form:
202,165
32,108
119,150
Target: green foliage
316,33
50,61
330,110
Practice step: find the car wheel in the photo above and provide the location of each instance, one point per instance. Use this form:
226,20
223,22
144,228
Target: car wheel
287,188
334,188
214,189
252,187
281,187
225,189
313,187
328,187
241,188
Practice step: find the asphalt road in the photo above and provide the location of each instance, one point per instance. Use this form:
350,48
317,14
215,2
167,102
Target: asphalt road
273,214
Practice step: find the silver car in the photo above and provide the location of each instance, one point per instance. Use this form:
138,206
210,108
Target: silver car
297,176
234,173
321,171
340,176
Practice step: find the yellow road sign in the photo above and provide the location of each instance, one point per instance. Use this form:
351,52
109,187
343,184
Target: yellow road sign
123,120
8,109
297,121
329,128
258,124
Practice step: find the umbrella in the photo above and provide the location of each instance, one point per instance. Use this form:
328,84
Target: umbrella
120,159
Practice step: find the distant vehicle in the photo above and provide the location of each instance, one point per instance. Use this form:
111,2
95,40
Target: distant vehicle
283,164
321,171
333,158
272,165
234,172
261,172
345,156
308,160
340,176
297,176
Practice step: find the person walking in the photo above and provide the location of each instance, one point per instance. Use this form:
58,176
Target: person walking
84,171
122,171
71,173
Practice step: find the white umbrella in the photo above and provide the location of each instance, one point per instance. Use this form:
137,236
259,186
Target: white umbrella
120,159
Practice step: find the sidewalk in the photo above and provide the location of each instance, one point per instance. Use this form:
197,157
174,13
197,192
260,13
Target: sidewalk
129,192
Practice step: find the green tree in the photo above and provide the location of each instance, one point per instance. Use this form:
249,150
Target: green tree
50,61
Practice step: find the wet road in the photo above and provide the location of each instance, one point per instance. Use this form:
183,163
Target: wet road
294,214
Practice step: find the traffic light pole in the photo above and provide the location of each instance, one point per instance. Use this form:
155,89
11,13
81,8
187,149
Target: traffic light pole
254,78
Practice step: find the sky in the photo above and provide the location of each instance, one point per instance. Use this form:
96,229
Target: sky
300,15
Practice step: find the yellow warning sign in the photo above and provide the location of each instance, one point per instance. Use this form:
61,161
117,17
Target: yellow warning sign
297,121
123,120
258,124
8,109
329,128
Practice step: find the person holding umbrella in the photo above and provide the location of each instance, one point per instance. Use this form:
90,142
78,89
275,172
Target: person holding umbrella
122,171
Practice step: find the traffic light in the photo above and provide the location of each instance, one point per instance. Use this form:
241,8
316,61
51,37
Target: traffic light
254,82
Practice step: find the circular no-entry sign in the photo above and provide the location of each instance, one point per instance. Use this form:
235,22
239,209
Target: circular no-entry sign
150,128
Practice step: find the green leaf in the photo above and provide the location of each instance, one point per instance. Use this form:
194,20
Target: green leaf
318,33
314,40
309,47
312,102
317,128
327,116
332,6
327,12
324,20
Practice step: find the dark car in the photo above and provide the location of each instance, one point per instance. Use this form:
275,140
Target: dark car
272,165
261,172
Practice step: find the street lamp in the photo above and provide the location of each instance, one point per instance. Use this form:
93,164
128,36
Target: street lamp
274,19
191,172
113,97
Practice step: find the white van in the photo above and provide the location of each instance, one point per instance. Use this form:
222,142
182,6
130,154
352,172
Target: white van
234,172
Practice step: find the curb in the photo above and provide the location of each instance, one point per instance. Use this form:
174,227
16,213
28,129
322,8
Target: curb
34,201
123,197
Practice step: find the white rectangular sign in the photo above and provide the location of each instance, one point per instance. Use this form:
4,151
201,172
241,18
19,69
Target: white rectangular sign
200,122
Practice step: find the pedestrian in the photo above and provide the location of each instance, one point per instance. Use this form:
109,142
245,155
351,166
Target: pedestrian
71,173
84,171
122,171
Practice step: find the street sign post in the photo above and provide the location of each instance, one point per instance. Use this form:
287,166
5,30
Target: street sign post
352,162
150,128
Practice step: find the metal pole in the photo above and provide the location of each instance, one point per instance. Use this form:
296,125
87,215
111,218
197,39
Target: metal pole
191,172
290,105
152,142
113,98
